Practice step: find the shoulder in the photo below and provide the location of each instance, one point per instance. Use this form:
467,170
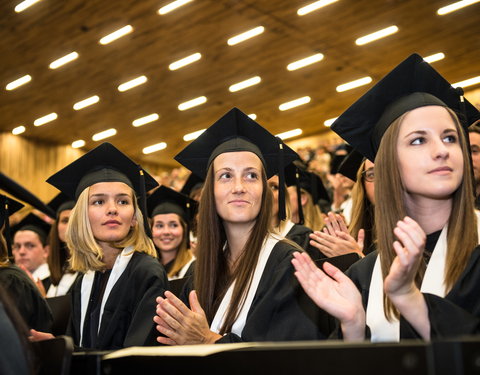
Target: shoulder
143,265
12,273
298,229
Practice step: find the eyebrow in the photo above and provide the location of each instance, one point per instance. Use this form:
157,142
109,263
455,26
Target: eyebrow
105,194
423,132
231,169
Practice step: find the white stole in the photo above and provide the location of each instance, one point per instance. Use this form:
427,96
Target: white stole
183,270
433,282
42,272
63,286
239,324
286,228
119,266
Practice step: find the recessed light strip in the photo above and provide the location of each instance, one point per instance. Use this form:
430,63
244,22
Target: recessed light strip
435,57
314,6
253,116
132,83
455,6
154,148
24,5
192,136
117,34
45,119
18,82
63,60
172,6
294,103
468,82
246,35
305,62
105,134
18,130
244,84
376,35
290,134
86,102
145,119
185,61
192,103
79,143
329,122
354,84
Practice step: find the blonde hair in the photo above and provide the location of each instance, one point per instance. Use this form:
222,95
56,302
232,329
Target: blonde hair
462,234
311,213
86,253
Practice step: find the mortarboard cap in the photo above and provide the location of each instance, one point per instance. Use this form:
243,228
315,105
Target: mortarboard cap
20,193
234,131
350,165
8,207
412,84
193,183
61,202
104,163
168,201
35,224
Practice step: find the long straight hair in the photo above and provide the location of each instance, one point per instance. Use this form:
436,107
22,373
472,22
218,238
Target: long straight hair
362,212
58,256
86,253
390,207
311,213
212,276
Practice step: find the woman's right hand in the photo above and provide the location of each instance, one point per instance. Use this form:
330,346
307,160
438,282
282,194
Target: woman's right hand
39,336
333,292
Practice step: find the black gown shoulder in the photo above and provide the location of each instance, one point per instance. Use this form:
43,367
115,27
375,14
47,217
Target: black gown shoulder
127,318
280,309
300,234
29,302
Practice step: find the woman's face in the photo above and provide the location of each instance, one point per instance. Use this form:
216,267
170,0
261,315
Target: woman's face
369,185
62,224
429,153
167,232
273,185
110,211
238,186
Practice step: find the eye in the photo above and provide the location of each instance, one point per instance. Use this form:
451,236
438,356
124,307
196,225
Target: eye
97,202
274,187
225,176
418,141
450,138
159,225
252,175
174,225
124,202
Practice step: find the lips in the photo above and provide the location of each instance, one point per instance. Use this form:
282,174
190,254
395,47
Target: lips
441,169
111,222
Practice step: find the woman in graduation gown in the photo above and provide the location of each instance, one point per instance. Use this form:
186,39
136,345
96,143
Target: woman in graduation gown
243,286
171,212
112,301
61,276
425,275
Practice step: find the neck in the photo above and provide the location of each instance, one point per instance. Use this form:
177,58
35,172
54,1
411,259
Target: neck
168,256
237,236
110,254
431,214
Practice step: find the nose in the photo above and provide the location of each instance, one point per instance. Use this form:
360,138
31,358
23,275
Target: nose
112,208
238,186
440,150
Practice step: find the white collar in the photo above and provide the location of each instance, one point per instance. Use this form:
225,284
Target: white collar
42,272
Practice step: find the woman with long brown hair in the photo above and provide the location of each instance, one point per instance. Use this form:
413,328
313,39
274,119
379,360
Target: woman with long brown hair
425,273
243,287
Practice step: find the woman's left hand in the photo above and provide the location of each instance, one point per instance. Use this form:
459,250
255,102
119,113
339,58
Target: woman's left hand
179,324
400,281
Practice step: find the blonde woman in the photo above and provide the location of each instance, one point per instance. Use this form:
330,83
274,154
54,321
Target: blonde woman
113,300
425,274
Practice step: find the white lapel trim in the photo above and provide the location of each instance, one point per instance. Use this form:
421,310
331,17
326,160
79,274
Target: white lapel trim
119,266
239,324
42,272
288,226
433,282
63,286
183,270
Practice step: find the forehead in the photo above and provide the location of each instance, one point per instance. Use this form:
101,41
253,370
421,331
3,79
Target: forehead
368,164
474,138
26,236
64,213
273,179
425,118
110,188
165,218
237,160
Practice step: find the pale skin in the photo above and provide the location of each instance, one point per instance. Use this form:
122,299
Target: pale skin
431,167
238,191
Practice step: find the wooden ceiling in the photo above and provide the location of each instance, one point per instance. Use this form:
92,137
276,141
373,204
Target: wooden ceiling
52,28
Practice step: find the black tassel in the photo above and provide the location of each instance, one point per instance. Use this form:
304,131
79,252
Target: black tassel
301,218
8,237
281,182
142,202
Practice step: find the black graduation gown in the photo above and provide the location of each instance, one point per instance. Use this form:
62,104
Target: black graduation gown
127,318
300,234
29,302
460,306
280,310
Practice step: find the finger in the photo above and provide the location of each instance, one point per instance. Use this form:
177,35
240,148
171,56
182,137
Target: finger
171,316
361,239
408,243
341,222
333,220
335,273
324,249
345,236
402,254
328,229
414,231
175,301
166,340
194,303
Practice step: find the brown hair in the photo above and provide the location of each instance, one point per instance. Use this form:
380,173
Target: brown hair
311,213
362,212
212,277
58,255
462,234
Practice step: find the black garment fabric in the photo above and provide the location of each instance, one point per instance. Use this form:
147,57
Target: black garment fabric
13,360
127,318
280,310
28,300
46,283
457,314
300,234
